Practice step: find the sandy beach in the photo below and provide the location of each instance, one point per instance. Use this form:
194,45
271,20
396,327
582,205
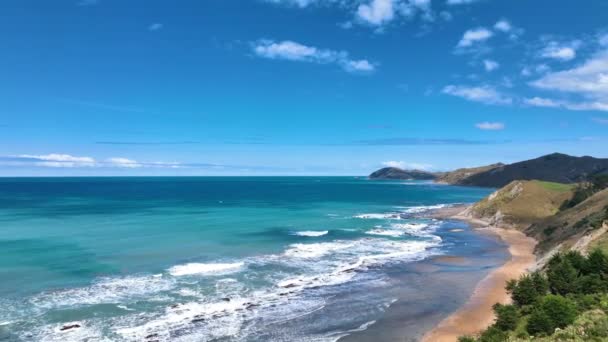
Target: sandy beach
477,313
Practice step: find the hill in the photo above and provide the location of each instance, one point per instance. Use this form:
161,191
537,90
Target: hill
576,227
521,203
397,173
460,175
556,167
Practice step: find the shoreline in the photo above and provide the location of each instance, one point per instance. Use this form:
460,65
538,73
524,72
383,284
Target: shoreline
477,313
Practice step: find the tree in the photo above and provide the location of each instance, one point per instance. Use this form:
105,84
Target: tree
540,283
562,277
539,323
524,291
577,260
507,317
597,263
493,334
591,283
560,310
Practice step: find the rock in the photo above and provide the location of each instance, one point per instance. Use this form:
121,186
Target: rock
69,326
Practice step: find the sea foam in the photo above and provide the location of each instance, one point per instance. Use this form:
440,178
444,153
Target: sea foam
204,269
311,233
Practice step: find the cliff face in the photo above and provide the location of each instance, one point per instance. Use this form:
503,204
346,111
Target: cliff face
396,173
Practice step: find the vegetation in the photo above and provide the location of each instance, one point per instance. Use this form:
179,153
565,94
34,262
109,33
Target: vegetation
522,203
566,302
585,190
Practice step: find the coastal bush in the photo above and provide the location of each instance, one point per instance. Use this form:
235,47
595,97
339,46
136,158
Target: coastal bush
562,277
539,323
547,304
561,310
466,339
493,334
597,264
507,317
528,289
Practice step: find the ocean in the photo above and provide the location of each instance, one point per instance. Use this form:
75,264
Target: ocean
230,258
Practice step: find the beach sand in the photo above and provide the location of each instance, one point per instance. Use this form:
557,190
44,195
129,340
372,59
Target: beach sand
477,313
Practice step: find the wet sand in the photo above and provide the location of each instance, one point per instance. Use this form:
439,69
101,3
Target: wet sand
477,313
428,291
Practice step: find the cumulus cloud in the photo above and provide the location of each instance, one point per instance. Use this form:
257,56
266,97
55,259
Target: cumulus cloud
377,12
503,26
473,36
406,165
490,126
483,94
293,51
562,52
155,27
588,80
490,65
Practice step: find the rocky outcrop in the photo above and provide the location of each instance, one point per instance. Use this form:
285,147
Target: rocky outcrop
397,173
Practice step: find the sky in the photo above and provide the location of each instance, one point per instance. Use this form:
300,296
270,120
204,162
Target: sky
297,87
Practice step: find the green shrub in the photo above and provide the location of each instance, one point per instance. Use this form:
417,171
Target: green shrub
493,334
466,339
560,310
562,277
539,323
507,317
528,289
597,263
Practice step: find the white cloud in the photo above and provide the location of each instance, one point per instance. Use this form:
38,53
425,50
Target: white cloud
406,165
377,12
475,35
460,2
483,94
155,27
123,163
588,80
358,66
490,65
490,126
59,160
293,51
562,52
541,102
503,26
578,106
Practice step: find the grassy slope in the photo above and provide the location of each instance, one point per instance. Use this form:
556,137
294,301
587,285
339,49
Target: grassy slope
568,226
522,203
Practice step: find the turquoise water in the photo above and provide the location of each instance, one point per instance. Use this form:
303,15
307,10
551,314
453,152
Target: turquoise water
199,259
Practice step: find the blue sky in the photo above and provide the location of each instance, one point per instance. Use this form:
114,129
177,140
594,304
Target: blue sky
297,87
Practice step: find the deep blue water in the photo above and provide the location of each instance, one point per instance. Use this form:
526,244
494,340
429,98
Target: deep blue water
204,258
